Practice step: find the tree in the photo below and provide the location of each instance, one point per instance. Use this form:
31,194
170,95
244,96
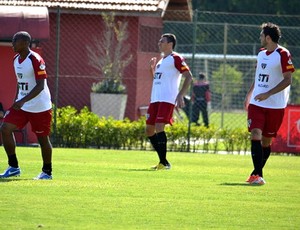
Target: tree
278,7
295,93
227,85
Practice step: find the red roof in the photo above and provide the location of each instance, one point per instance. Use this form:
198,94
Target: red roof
152,7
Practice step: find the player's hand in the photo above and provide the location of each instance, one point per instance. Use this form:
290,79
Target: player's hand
246,103
262,96
180,101
18,105
152,63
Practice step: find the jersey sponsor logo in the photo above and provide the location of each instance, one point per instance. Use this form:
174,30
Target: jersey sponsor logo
23,85
263,77
20,75
42,66
157,75
263,65
263,86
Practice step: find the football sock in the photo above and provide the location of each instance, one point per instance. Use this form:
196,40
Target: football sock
266,154
257,157
154,141
162,147
13,161
47,168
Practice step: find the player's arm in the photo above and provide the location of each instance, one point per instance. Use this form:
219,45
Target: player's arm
152,64
248,96
188,78
287,80
32,94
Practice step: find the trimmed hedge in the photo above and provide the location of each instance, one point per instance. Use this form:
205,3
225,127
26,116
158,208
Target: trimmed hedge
85,129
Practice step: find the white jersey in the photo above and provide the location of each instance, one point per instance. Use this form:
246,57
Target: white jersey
28,71
269,72
167,78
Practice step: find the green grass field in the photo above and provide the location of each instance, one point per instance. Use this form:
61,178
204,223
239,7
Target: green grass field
231,120
107,189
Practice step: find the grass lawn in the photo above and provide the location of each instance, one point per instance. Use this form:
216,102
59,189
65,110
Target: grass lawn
231,120
107,189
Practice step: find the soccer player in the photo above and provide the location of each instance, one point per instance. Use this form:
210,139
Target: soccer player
165,94
32,104
267,97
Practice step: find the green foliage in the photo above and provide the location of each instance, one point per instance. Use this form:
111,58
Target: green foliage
278,7
225,78
86,129
109,86
295,93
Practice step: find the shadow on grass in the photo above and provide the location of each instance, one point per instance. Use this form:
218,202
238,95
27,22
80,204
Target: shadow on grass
140,170
237,184
5,180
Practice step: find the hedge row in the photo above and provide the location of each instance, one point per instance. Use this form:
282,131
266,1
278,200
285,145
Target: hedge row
85,129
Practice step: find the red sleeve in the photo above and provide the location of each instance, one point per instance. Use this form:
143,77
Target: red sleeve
38,67
286,62
180,63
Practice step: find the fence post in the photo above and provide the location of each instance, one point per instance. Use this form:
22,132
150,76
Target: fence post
192,70
56,75
224,73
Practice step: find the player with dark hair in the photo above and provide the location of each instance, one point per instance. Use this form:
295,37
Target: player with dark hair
267,97
32,104
165,94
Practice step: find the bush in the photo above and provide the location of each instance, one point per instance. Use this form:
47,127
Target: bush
85,129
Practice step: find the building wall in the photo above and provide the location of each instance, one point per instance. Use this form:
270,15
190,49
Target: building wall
76,76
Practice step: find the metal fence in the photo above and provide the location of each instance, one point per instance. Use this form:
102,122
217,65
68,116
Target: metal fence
221,45
224,47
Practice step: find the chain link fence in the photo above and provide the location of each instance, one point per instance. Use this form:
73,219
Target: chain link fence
224,47
221,45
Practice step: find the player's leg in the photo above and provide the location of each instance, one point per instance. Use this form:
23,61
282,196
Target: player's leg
150,128
41,126
266,147
271,128
13,119
164,116
46,149
161,143
9,144
256,151
256,121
